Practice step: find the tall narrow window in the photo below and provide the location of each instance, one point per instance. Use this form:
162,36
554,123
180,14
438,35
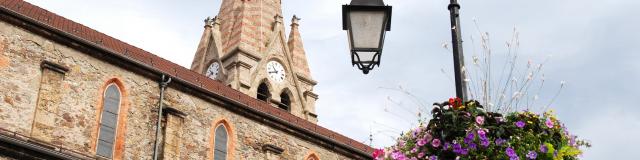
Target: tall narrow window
285,101
220,149
108,121
263,92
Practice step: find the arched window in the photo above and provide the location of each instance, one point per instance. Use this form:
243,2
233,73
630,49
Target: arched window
285,101
108,121
312,156
263,92
220,144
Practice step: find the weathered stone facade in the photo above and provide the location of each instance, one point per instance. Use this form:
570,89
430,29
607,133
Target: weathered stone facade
59,106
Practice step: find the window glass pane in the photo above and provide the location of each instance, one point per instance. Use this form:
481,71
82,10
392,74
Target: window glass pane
112,99
105,149
112,92
109,119
220,143
366,28
219,155
106,134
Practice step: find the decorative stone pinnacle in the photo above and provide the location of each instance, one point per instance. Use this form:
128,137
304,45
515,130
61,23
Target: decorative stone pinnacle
208,22
295,20
278,18
216,20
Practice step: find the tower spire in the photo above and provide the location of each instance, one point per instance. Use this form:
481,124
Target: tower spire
297,49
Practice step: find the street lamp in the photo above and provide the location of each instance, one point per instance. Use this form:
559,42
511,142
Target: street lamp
366,22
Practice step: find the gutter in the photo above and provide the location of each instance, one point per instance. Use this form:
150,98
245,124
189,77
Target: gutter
34,147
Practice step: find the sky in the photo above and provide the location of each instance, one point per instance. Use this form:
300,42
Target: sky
592,45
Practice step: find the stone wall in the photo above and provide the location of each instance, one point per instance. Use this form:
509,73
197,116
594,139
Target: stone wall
73,106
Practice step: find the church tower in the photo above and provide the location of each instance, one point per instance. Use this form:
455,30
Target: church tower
245,47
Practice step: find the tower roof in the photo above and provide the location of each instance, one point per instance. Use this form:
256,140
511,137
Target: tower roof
248,23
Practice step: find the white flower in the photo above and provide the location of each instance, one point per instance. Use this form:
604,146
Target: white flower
445,45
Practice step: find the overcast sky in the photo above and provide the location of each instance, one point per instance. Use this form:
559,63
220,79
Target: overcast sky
594,46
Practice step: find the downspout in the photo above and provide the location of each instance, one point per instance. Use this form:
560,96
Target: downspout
163,85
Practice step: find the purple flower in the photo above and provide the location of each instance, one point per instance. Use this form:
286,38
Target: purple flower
446,145
473,145
532,155
514,158
482,134
520,124
433,158
457,148
572,140
469,138
549,123
435,143
543,148
464,151
421,154
510,152
422,142
485,143
414,150
480,120
500,141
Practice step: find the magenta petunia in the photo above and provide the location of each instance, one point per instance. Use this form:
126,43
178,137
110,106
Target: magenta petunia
435,143
480,120
549,123
422,142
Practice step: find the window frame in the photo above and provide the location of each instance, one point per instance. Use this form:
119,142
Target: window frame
231,141
121,129
117,119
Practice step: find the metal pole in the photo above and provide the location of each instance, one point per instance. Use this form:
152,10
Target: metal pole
156,144
458,58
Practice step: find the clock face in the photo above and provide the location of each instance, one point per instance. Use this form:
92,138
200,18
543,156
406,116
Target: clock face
213,70
275,71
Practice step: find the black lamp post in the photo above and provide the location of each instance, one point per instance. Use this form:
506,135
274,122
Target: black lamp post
366,21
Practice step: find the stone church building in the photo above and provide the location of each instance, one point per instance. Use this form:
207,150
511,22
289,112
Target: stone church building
70,92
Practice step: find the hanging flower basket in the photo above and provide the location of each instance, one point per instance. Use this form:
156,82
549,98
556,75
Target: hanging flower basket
466,131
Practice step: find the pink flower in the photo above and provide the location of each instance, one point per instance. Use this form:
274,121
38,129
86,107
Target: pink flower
480,120
422,142
378,153
549,123
428,137
435,143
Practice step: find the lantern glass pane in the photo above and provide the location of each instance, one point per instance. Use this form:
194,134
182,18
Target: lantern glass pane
366,28
366,58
